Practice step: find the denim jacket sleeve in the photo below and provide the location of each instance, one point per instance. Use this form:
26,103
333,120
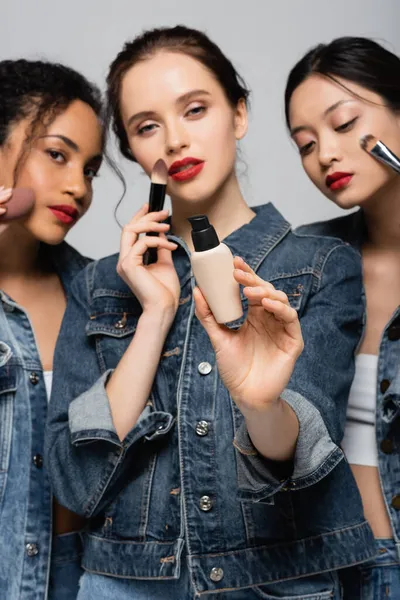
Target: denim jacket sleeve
85,457
318,389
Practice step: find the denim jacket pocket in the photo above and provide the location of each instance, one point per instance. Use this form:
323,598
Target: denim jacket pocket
295,287
112,331
321,586
8,386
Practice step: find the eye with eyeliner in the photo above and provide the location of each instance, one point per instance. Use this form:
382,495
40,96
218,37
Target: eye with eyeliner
143,129
347,126
306,149
94,172
55,155
201,109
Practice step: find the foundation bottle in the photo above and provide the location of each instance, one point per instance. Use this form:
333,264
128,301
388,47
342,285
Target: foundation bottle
212,264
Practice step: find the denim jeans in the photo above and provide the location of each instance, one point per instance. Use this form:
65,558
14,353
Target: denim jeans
98,587
377,579
65,569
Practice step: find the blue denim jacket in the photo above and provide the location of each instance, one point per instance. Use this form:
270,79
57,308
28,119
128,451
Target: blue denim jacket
25,494
187,473
351,229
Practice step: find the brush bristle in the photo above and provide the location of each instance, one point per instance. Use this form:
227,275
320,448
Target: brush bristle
367,142
159,173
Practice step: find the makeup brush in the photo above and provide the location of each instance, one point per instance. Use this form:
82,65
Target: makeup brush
378,150
18,205
159,178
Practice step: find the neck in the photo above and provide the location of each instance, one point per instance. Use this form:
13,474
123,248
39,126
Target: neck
19,251
382,217
226,210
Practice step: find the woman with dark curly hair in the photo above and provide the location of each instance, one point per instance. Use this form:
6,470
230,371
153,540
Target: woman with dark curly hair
51,142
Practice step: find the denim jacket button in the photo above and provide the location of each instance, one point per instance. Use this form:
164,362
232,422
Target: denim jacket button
202,428
394,331
34,378
384,385
396,502
387,446
216,574
38,461
121,324
204,368
32,549
205,503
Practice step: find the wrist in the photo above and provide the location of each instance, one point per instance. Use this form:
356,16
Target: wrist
252,412
158,318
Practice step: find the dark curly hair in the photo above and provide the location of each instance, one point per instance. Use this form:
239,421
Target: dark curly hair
356,59
39,91
180,39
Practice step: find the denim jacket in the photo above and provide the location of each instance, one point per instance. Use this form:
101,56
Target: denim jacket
351,229
25,493
187,473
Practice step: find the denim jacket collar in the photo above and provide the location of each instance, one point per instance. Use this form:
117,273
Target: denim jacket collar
252,241
66,260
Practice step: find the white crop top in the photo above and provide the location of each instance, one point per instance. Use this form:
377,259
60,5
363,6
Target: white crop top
48,380
359,442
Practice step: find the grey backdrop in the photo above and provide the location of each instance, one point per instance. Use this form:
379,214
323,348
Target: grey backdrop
263,39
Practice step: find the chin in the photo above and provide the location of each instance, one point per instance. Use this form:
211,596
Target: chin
51,236
347,203
348,198
193,197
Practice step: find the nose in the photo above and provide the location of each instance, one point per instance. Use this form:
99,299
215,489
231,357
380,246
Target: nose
176,137
76,185
329,151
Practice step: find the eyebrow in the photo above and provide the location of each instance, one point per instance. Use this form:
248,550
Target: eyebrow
71,144
326,112
147,114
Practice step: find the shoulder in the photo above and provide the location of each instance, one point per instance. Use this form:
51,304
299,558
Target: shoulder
348,229
100,277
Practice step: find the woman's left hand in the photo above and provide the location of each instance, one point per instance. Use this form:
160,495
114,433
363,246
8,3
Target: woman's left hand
256,362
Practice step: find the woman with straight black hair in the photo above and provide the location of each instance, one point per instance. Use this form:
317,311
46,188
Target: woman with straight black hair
335,95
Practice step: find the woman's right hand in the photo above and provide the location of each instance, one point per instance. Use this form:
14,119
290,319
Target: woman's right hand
156,286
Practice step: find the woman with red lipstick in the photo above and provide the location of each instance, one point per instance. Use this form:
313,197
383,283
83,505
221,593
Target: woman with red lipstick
205,457
335,95
50,147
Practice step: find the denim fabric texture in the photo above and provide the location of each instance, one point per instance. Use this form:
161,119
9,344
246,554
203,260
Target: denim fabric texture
187,476
25,492
351,229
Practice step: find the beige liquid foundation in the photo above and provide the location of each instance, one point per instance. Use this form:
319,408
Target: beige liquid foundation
212,264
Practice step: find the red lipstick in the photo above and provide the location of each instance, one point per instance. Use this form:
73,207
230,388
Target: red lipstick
338,180
187,168
65,213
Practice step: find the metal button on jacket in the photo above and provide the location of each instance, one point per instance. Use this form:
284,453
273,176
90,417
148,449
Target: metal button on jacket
205,503
396,502
394,331
38,461
34,378
387,446
202,428
216,574
32,549
204,368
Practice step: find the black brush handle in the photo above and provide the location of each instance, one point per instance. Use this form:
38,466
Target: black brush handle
156,203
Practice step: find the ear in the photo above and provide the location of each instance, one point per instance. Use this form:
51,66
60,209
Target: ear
241,121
